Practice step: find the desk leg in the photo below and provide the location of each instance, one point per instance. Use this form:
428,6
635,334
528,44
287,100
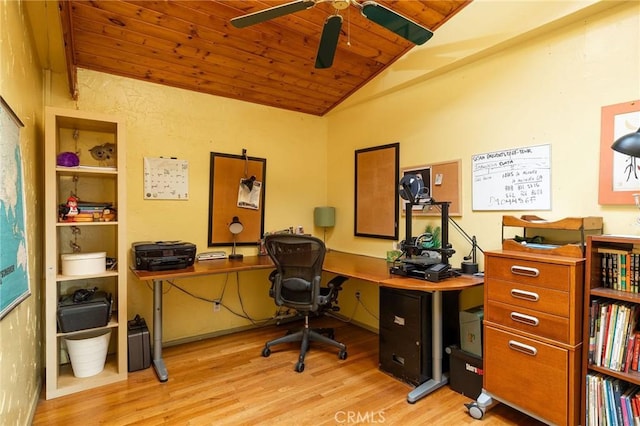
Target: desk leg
438,380
158,362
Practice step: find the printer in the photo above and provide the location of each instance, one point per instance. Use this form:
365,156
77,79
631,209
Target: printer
162,255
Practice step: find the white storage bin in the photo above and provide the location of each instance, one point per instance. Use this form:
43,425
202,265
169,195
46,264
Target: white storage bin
84,263
88,352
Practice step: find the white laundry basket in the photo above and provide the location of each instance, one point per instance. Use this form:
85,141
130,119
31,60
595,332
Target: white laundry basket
88,352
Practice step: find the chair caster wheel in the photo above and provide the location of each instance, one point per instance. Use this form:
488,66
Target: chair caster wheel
475,411
342,355
266,352
299,367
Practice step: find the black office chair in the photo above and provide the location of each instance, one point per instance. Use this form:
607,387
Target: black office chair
296,284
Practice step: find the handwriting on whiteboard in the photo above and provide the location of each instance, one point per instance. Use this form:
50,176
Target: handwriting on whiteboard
512,179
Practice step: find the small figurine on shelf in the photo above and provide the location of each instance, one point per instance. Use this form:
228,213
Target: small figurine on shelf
105,153
72,203
108,214
66,212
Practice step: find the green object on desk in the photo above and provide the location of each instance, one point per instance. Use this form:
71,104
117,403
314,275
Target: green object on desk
393,255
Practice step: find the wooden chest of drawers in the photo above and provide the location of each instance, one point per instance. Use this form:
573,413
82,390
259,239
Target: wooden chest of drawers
533,333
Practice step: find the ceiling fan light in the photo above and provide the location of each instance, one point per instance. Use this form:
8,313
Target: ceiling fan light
400,25
340,4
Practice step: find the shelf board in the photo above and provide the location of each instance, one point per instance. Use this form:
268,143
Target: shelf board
68,383
61,277
113,323
615,294
633,376
93,223
80,170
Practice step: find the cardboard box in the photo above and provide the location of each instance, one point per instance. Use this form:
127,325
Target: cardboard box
465,373
471,330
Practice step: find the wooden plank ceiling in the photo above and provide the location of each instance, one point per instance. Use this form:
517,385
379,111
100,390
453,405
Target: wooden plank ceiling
192,45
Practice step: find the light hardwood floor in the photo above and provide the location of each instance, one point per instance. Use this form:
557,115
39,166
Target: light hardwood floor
225,381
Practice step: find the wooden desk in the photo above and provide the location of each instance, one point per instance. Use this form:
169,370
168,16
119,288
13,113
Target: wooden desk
377,271
209,267
365,268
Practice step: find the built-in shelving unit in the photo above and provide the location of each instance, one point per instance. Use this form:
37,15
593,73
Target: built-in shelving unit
603,293
92,180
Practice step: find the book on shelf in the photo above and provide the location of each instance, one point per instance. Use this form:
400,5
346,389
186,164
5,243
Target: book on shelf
614,340
611,401
620,268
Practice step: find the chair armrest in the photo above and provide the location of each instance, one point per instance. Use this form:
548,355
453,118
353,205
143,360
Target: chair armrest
336,282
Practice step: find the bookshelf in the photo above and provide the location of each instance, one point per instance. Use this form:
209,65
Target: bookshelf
611,312
90,231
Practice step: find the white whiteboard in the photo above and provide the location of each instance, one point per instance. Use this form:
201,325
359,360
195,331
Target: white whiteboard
513,179
166,179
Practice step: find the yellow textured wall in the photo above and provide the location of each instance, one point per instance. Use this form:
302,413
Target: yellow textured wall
163,121
20,337
548,89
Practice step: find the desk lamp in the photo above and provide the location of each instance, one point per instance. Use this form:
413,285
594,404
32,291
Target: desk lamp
235,227
324,217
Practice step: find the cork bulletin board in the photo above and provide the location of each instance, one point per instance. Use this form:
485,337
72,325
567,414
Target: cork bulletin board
376,192
226,173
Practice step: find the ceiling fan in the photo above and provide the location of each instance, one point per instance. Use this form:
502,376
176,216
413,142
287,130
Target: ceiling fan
371,10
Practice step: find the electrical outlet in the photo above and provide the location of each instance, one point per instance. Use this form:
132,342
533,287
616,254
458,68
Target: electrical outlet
216,306
357,294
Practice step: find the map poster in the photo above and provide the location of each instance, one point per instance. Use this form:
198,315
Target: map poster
14,273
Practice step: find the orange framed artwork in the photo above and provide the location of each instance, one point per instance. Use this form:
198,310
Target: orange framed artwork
619,173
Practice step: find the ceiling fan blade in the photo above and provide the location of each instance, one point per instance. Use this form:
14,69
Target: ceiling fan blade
328,41
400,25
271,13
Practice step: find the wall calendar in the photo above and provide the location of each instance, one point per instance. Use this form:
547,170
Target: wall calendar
166,179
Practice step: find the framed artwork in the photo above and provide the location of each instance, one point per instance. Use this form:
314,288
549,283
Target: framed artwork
14,262
376,192
236,189
619,173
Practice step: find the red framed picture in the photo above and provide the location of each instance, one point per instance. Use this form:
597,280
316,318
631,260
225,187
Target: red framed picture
619,173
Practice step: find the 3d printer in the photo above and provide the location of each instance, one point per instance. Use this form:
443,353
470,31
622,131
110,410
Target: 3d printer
418,260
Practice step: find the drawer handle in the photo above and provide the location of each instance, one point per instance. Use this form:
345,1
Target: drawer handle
525,270
525,295
525,319
521,347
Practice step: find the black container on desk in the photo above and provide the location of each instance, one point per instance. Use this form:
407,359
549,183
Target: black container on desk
139,344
